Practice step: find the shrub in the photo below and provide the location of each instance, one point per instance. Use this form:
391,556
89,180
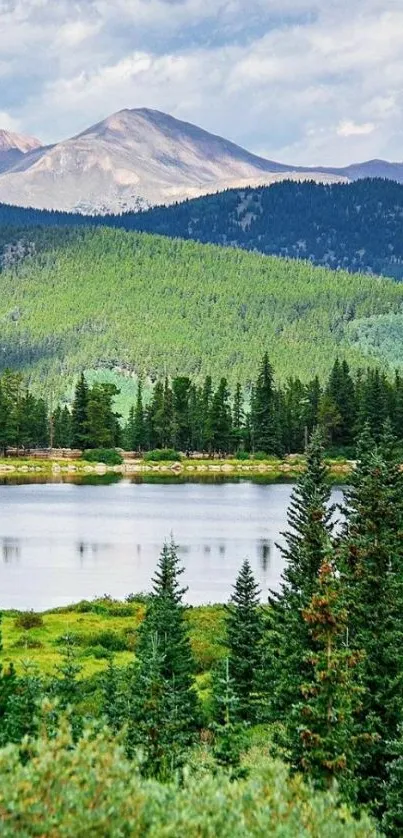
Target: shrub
92,789
27,642
161,454
109,641
28,620
260,455
242,455
109,456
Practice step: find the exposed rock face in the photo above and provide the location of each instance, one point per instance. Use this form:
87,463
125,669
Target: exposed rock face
139,158
134,159
13,147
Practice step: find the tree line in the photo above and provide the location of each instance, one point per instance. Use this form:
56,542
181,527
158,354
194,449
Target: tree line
318,670
182,415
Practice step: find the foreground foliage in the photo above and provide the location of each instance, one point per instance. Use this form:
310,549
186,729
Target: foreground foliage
92,789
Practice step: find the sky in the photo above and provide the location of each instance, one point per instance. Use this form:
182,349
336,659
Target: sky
297,81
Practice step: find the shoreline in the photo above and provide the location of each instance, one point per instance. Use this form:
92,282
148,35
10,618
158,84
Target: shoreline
289,467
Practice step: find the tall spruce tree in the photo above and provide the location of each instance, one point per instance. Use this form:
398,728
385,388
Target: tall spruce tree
164,670
244,639
307,544
139,424
263,420
228,731
321,726
79,414
371,550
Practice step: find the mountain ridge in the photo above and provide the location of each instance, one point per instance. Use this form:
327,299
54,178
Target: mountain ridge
138,158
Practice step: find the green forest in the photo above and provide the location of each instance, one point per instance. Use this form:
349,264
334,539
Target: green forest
180,416
281,718
354,226
77,299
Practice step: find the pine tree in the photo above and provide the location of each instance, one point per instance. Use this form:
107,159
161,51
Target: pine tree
238,420
21,709
66,685
321,725
221,418
228,731
263,425
79,415
307,544
139,425
244,637
392,821
163,679
114,697
371,551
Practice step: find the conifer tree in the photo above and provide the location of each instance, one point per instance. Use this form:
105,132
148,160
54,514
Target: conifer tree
114,697
371,551
139,425
392,820
228,731
244,637
22,705
238,420
66,685
221,418
263,420
307,544
79,415
321,725
164,670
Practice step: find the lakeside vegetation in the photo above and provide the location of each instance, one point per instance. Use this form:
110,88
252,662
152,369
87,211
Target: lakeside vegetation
213,697
76,299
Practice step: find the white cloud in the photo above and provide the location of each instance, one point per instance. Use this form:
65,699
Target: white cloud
306,81
352,129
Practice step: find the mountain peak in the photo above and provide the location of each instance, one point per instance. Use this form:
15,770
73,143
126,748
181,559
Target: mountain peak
10,141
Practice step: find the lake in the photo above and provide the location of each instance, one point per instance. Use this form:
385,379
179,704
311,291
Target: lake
62,542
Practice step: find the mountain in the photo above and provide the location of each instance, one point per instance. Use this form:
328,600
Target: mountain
13,147
135,159
355,226
98,298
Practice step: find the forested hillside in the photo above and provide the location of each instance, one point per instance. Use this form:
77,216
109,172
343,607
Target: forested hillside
357,226
77,299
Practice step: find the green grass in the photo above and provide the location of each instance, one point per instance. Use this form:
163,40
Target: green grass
123,302
89,622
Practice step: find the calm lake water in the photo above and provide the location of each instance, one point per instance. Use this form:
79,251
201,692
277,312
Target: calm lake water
62,542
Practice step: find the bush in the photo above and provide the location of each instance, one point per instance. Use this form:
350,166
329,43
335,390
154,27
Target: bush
109,456
28,620
260,455
91,788
109,641
242,455
161,454
27,642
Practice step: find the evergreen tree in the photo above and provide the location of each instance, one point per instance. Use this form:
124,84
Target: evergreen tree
164,671
79,415
207,397
228,731
66,685
221,418
307,544
23,696
139,425
371,550
244,636
392,821
263,426
114,697
238,420
321,725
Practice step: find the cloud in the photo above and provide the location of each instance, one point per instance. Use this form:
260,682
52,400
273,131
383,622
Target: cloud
352,129
304,81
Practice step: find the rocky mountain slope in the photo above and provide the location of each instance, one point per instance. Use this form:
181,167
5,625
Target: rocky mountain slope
13,147
139,158
134,159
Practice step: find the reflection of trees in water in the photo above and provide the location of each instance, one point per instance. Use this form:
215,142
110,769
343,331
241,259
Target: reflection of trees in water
264,553
11,550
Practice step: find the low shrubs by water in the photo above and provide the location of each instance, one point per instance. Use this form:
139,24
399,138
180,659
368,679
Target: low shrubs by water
163,454
108,456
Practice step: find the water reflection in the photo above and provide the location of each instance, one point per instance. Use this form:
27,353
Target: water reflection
264,548
11,549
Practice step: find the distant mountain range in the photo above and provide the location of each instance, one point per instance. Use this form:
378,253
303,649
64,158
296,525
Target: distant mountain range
139,158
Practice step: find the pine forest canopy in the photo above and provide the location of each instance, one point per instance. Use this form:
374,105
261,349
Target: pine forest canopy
75,299
355,226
